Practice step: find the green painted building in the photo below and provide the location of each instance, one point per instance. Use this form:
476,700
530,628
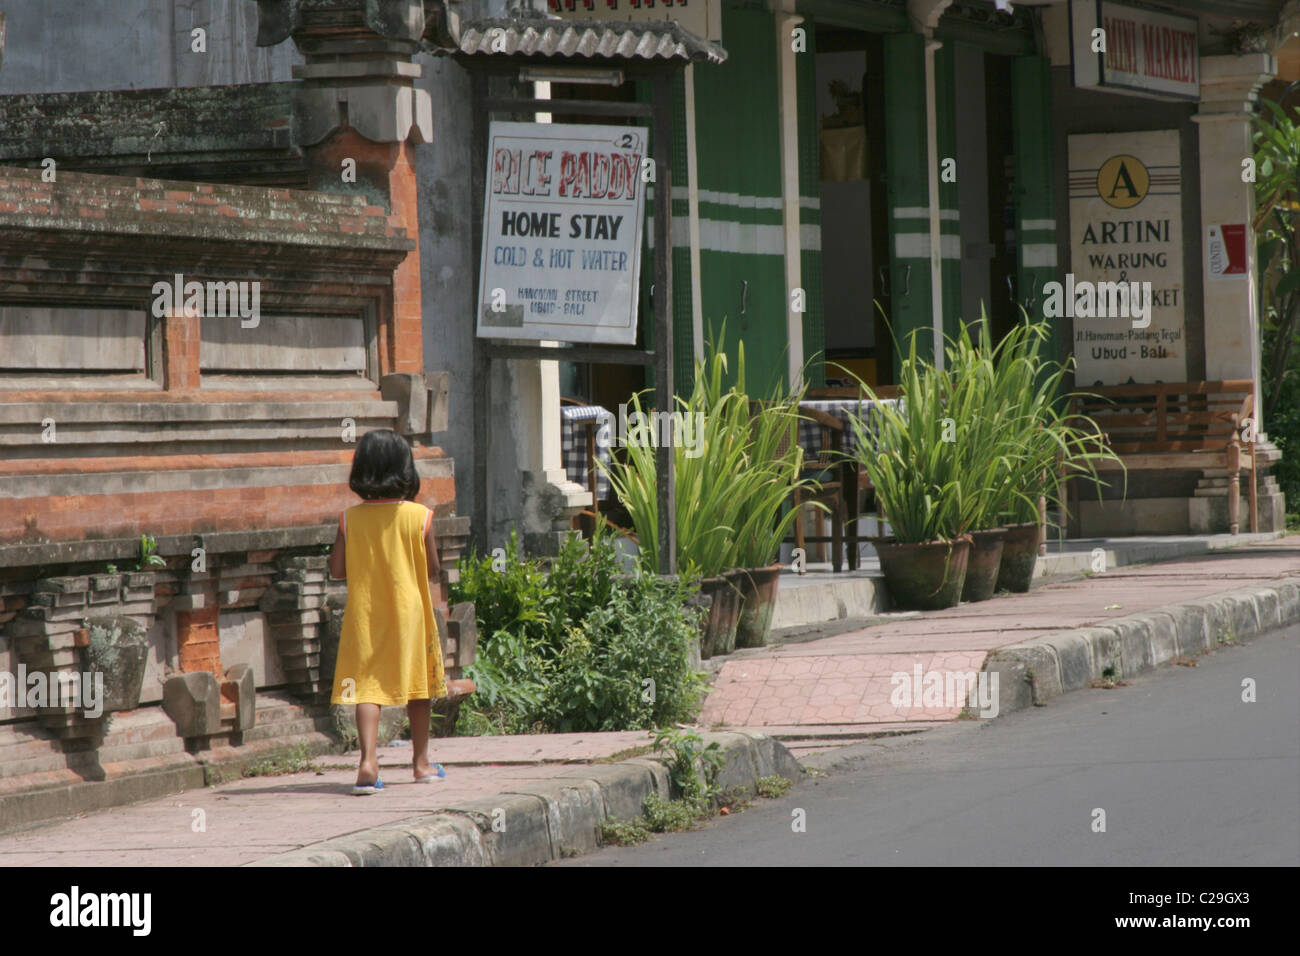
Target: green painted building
803,213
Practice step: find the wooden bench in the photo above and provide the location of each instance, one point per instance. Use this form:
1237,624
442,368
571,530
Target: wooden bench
1192,426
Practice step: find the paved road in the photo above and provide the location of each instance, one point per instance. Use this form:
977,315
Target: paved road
1186,772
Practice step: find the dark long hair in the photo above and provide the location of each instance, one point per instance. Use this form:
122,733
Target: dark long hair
383,467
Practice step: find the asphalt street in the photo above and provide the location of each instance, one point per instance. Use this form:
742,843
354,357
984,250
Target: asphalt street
1186,772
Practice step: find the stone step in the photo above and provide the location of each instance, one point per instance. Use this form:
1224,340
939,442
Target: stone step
115,753
24,741
26,751
285,728
281,712
139,726
44,763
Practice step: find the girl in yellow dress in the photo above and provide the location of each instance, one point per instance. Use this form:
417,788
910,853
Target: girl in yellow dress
389,652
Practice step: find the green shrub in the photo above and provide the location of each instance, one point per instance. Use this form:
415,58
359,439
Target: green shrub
505,596
581,648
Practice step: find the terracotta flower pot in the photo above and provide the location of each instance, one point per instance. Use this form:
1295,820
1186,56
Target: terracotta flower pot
1019,555
925,576
982,568
720,632
757,600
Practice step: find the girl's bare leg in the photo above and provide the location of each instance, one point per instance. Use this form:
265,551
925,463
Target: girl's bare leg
417,712
368,735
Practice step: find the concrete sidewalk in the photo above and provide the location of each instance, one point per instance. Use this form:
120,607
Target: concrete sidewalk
839,676
821,595
529,799
505,801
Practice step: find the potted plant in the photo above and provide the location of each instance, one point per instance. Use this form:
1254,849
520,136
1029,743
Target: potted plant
706,504
1046,444
967,457
923,485
988,388
764,519
731,483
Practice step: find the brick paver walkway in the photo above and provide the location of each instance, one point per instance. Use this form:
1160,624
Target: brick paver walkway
256,817
847,678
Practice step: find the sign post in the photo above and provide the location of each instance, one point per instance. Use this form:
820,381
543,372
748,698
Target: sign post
598,287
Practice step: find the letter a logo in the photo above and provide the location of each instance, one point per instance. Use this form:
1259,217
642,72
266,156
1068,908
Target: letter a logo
1123,181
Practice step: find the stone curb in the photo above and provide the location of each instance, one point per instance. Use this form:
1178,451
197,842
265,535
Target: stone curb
1035,671
543,821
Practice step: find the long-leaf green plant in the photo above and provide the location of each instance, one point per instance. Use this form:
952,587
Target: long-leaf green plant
974,444
731,481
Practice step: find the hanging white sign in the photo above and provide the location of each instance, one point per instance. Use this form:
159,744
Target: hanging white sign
1134,50
562,220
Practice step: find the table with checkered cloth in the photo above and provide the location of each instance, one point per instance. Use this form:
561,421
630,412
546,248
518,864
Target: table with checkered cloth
810,435
573,444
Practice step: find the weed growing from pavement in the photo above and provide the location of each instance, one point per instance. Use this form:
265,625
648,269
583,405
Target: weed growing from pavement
1227,636
734,800
627,754
693,771
623,832
673,816
1109,679
773,787
689,757
296,760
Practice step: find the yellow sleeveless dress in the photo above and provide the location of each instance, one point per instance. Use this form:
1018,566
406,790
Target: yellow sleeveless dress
389,652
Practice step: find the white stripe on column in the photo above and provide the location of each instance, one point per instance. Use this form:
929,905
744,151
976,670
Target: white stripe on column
912,245
1039,254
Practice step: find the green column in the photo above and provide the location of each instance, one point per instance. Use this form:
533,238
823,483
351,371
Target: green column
683,304
810,252
738,150
949,224
909,304
1031,116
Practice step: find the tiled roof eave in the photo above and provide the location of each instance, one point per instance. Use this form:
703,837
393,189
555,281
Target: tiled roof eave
557,37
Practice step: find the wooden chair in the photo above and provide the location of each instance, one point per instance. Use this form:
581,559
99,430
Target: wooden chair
1190,426
831,493
860,494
